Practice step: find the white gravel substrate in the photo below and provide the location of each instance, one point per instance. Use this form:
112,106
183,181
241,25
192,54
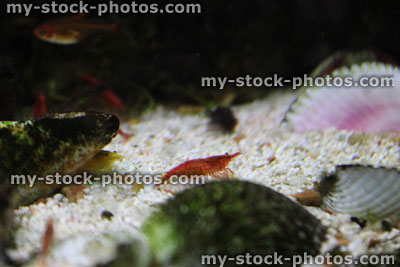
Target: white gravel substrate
270,155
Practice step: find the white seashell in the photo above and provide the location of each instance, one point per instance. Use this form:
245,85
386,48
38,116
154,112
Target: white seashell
373,109
346,59
362,191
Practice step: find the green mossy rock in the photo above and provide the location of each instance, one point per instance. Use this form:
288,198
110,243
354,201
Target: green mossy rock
230,218
60,142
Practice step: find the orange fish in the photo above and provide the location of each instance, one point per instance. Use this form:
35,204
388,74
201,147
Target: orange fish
40,107
71,30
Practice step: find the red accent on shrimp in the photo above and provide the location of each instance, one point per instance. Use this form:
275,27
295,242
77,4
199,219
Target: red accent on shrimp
47,239
112,99
125,135
40,107
90,80
213,166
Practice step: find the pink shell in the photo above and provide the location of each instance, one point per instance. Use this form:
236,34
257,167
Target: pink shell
348,58
374,109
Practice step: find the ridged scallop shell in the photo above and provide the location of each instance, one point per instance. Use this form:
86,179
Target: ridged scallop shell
349,58
362,191
370,109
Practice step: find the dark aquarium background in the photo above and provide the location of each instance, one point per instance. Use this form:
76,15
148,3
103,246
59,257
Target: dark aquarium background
154,59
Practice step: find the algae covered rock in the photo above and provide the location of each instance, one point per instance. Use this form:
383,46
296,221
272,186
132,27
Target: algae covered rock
60,142
133,251
230,218
6,214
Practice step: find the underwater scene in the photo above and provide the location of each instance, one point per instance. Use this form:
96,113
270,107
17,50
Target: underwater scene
188,133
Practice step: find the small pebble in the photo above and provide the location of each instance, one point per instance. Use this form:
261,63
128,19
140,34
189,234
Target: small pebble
309,198
361,223
386,226
224,118
106,215
58,197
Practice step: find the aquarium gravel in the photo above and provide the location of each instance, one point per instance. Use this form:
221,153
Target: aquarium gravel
270,155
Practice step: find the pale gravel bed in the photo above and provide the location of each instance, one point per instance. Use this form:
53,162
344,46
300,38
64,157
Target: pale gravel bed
270,155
